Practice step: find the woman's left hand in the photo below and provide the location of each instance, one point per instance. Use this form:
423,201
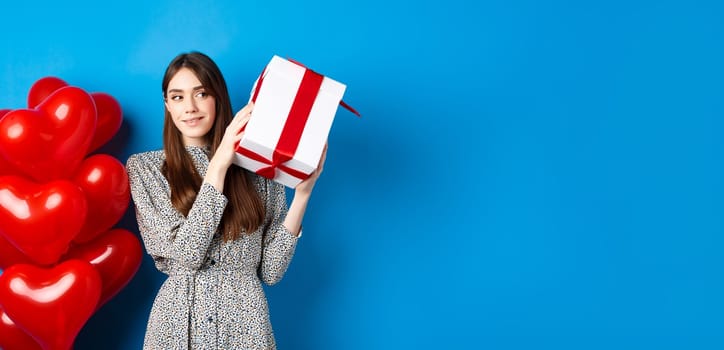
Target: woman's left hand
306,186
224,154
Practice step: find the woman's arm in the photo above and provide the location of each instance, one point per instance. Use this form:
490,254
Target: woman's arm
293,220
280,237
167,236
278,243
224,154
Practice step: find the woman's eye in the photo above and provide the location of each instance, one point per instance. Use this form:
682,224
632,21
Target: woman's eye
201,94
176,98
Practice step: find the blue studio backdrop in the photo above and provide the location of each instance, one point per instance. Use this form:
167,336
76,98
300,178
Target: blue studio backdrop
525,175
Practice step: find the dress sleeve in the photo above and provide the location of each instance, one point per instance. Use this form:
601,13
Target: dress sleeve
278,243
169,237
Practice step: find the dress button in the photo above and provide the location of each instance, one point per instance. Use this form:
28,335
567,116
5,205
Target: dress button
210,319
213,262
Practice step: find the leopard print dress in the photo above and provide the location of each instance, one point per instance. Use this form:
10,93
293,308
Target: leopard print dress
213,296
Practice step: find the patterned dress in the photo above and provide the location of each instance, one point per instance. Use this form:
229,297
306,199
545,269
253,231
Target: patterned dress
213,297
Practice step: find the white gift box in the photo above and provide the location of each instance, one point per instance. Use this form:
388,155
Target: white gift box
294,108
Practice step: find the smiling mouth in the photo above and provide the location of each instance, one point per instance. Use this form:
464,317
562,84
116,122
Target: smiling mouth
192,121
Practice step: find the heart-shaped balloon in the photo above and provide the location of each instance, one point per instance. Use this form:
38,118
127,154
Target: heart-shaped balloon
110,117
12,337
51,305
42,88
5,167
104,182
9,255
109,112
116,255
41,219
50,141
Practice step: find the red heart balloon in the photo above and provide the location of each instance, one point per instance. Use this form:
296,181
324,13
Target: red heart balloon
109,112
5,167
50,141
110,117
12,337
42,88
9,255
104,181
116,255
51,305
41,219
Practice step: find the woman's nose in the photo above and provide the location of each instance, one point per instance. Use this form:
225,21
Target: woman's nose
190,105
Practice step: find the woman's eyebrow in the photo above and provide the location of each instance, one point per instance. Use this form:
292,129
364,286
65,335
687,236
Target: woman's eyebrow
200,87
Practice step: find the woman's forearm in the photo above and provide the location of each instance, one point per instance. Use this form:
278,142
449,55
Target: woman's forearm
295,214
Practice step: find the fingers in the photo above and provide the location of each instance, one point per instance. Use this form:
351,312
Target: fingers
323,159
240,123
241,115
241,118
245,111
237,138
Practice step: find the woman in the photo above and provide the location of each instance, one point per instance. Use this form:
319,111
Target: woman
214,228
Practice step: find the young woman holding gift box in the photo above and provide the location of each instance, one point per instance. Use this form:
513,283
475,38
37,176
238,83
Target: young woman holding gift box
214,228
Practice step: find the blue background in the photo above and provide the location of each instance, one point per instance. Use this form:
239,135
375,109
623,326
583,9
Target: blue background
526,174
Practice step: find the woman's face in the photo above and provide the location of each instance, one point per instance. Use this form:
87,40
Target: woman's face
192,110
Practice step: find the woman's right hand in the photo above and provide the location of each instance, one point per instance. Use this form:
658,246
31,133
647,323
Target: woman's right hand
224,154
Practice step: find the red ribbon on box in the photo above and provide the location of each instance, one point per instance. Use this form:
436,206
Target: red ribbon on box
293,127
341,103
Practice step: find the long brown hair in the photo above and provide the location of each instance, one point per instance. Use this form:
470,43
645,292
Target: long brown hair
245,210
